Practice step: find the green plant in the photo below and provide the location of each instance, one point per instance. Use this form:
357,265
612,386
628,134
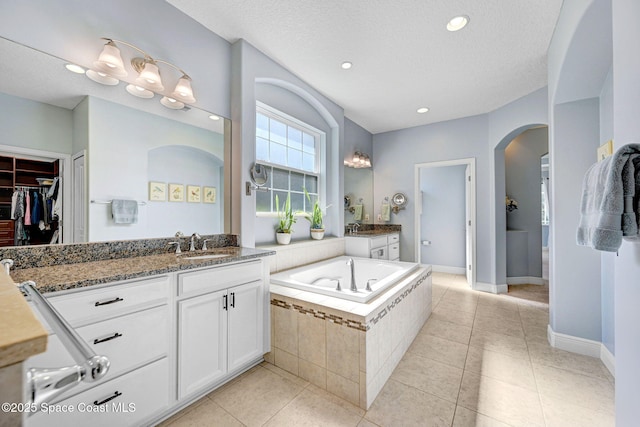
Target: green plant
286,219
315,217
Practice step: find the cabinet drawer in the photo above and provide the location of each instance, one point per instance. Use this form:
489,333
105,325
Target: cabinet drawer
217,278
88,306
136,397
394,251
393,238
378,242
127,341
6,226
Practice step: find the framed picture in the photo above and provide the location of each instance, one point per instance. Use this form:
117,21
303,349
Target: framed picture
157,191
193,193
209,194
176,193
605,150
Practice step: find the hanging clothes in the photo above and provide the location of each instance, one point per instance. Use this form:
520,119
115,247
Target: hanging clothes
27,209
36,208
20,236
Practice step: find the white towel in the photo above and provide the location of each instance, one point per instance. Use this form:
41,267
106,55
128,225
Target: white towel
385,212
357,212
124,211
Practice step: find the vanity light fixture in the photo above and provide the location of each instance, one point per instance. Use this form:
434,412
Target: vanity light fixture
422,110
458,22
346,65
109,68
358,161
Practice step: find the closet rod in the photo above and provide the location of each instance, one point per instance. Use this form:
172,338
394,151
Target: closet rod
108,202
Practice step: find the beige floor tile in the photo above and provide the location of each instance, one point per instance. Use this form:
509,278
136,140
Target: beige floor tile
459,294
513,370
543,354
286,375
497,399
366,423
576,389
500,343
183,412
497,301
429,376
496,312
558,413
311,409
257,397
499,325
535,329
467,418
534,313
336,400
401,405
458,317
439,349
437,291
208,413
451,305
447,330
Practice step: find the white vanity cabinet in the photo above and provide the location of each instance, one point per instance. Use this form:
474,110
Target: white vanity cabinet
220,324
385,246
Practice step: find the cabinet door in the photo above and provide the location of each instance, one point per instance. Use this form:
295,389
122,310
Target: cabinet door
202,341
245,323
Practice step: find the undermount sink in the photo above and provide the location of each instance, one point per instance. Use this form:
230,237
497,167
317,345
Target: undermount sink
208,256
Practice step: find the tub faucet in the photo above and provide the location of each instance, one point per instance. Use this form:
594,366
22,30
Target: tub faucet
194,236
351,264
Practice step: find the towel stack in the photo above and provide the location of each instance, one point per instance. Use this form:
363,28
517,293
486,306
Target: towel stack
610,209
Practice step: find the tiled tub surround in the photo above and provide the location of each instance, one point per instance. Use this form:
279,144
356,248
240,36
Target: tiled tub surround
347,348
72,253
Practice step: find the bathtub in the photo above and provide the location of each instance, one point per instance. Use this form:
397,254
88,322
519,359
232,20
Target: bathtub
323,277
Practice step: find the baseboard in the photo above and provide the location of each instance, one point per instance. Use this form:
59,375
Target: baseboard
447,269
582,346
525,280
608,359
490,287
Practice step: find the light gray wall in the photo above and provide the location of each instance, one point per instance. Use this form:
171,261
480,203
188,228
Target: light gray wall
81,126
626,128
358,182
443,216
522,166
250,66
35,125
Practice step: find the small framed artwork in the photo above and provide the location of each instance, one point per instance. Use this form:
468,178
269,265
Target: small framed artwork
157,191
605,150
193,193
176,192
209,194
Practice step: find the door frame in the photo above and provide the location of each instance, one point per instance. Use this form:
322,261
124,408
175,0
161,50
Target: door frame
79,198
470,203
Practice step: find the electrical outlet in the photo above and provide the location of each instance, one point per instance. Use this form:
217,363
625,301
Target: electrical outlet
366,217
379,217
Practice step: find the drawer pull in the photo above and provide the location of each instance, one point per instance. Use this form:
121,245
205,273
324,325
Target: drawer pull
112,337
224,302
111,301
108,399
233,299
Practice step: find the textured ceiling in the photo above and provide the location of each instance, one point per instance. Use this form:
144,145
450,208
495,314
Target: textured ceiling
403,56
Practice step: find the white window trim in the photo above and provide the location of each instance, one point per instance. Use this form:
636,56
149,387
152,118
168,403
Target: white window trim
321,151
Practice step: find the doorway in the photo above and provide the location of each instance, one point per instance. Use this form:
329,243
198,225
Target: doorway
445,214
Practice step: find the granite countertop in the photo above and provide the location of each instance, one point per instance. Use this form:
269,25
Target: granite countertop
370,233
72,276
21,334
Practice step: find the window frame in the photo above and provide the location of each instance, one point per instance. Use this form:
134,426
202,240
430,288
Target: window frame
320,156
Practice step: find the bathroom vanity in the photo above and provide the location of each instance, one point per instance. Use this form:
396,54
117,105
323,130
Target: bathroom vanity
373,244
173,327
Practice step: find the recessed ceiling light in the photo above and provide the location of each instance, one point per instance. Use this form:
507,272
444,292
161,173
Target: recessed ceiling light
346,65
214,117
422,110
74,68
457,23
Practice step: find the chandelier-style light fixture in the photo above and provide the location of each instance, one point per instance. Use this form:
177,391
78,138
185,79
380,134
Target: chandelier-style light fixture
108,69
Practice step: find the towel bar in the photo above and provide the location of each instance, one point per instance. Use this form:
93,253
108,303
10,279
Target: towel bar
108,202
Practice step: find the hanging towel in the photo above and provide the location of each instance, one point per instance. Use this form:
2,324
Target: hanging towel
385,212
124,211
607,208
357,212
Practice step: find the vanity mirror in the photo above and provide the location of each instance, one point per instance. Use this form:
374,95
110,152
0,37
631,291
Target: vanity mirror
110,146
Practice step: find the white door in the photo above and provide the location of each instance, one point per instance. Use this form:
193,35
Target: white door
202,341
245,320
78,197
468,234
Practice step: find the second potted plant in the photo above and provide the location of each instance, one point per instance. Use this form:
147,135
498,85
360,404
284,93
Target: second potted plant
315,218
286,219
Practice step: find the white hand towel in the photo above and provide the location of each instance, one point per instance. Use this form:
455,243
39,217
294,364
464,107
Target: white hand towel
124,211
385,212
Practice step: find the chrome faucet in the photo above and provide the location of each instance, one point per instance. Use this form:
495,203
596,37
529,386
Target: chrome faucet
204,244
355,228
351,264
194,236
178,251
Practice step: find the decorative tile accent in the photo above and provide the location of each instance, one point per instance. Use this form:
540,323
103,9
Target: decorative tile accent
390,306
319,314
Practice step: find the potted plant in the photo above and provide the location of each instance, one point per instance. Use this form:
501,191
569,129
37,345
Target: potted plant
286,219
315,218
